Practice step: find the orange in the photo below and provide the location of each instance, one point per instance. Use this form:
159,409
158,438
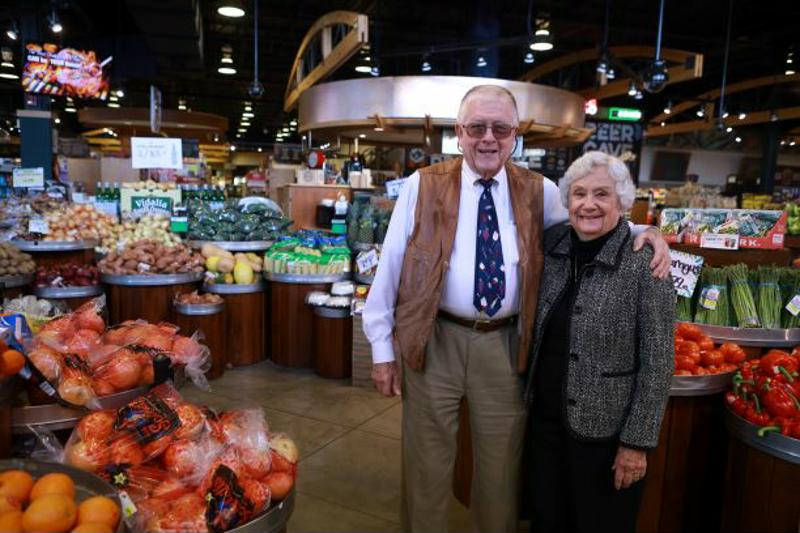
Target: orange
16,484
93,527
8,503
55,483
11,362
99,509
51,513
11,522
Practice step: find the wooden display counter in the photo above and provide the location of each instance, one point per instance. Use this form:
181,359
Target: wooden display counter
299,202
52,253
14,286
291,319
762,480
73,297
210,320
333,342
244,321
146,297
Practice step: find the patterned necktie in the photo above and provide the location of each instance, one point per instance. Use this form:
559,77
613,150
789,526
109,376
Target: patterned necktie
490,277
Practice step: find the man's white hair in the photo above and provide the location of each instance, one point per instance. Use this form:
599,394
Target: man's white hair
492,91
617,170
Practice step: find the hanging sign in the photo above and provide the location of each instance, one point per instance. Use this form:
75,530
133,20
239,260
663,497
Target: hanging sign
156,152
685,270
28,177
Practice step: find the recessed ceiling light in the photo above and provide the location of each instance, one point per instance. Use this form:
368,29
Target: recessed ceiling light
728,129
362,135
738,139
248,108
120,93
113,104
242,130
70,109
228,71
742,115
231,9
260,149
248,115
58,120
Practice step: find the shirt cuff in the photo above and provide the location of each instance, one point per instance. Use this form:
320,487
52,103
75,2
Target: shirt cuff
382,352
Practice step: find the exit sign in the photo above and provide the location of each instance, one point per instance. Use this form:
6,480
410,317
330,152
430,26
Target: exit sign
624,113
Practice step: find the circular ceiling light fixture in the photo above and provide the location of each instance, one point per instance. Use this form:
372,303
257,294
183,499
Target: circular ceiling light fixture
542,39
231,8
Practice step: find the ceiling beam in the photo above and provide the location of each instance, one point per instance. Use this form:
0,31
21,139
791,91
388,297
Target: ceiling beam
757,117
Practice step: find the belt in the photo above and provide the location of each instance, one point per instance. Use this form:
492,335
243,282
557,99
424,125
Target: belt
478,325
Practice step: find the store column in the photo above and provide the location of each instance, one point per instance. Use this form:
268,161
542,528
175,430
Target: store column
36,140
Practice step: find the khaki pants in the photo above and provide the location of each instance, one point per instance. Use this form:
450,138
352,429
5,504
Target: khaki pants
479,366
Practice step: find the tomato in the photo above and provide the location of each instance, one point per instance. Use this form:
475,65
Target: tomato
700,371
683,372
733,353
682,362
713,358
706,344
689,331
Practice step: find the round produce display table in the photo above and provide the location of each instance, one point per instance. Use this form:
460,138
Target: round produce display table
762,480
147,297
210,319
48,253
753,340
244,321
683,486
14,286
74,297
235,246
290,319
273,521
333,342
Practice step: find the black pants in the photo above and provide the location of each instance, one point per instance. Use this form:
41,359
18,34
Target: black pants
571,484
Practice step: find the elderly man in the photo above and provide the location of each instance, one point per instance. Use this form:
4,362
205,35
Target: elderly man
454,299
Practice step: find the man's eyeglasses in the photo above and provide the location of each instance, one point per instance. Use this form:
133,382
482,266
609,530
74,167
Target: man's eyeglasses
499,130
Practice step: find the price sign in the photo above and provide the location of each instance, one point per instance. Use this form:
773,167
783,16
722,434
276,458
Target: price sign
394,187
28,177
709,298
685,269
719,241
366,261
156,152
794,305
38,225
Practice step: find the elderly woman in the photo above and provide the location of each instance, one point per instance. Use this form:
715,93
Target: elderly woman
601,362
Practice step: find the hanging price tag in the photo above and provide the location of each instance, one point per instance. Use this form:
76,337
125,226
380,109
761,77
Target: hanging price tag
709,297
128,507
685,269
794,305
38,225
366,261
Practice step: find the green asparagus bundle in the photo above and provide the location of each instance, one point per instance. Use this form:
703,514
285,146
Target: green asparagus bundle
683,309
769,297
712,303
742,301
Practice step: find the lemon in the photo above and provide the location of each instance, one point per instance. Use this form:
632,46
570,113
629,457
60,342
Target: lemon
243,273
212,263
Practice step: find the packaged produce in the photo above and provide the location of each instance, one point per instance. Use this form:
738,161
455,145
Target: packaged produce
193,298
13,262
696,354
67,275
185,467
308,253
766,391
83,360
37,311
51,503
73,222
253,222
223,266
756,229
151,257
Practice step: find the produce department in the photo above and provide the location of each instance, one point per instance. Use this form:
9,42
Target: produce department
249,281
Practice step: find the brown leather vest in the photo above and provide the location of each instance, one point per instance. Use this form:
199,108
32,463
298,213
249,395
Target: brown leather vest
427,256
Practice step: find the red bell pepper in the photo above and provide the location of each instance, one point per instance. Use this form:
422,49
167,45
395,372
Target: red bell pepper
736,403
778,358
779,401
755,415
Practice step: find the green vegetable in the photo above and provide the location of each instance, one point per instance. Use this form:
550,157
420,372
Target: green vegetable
683,310
741,297
769,297
713,279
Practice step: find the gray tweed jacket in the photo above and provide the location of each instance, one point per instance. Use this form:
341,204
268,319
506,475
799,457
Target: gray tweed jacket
621,339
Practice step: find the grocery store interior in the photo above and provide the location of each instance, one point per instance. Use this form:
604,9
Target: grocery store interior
194,196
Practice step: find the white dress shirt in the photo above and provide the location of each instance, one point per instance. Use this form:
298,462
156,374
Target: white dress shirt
459,280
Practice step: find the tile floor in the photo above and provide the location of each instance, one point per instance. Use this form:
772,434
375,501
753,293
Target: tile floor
349,441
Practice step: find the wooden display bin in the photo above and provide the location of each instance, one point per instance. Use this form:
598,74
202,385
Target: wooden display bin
73,297
291,319
145,297
210,320
244,321
51,253
14,286
333,342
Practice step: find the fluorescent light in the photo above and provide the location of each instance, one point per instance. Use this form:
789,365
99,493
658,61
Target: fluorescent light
68,109
226,70
113,98
789,72
242,130
231,11
9,75
248,115
243,123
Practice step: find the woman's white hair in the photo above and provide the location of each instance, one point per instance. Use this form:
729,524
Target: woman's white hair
617,170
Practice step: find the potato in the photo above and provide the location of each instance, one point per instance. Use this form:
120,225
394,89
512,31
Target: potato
130,264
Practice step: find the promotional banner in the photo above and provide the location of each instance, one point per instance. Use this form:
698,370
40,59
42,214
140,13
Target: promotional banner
64,72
